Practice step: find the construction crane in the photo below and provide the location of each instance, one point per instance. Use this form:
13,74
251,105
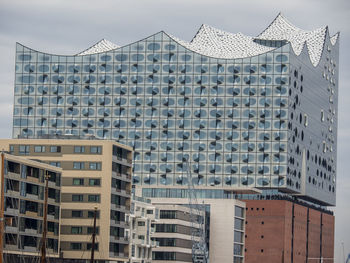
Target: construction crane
197,215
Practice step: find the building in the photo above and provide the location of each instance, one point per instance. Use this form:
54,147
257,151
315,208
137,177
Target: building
241,113
244,111
142,217
224,225
24,208
287,231
96,174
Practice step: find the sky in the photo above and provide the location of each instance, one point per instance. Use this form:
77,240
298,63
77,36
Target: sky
68,27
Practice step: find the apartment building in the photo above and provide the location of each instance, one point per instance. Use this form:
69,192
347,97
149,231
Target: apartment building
143,216
224,226
24,188
96,174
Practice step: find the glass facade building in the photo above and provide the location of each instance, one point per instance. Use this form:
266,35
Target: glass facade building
239,111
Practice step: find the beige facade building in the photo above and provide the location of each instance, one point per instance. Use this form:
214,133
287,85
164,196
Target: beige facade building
143,216
24,188
225,228
96,173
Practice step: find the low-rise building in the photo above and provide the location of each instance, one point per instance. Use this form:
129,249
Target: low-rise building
224,227
24,206
96,174
143,216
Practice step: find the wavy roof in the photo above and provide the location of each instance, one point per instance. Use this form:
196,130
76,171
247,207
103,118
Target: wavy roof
101,46
216,43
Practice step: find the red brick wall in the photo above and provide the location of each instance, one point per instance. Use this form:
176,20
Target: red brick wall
271,240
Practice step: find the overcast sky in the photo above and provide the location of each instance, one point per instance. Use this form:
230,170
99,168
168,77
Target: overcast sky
67,27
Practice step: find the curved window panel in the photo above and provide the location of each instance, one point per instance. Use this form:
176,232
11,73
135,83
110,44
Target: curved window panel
42,100
231,158
281,58
279,135
29,79
121,68
120,91
104,133
216,113
281,124
105,112
249,80
247,158
265,102
215,157
29,68
56,123
21,122
90,68
265,68
105,68
168,146
251,69
198,157
281,102
202,90
280,90
233,102
232,135
88,112
137,57
248,135
168,113
216,90
214,168
134,123
58,68
25,57
150,156
249,91
72,123
263,124
199,146
74,68
263,181
120,112
105,79
72,101
215,146
169,68
281,81
121,135
153,57
73,79
265,91
216,124
198,168
265,136
183,124
186,57
232,124
234,69
247,170
230,180
199,134
264,113
265,80
28,90
249,113
72,111
43,68
105,58
104,101
120,101
121,57
185,80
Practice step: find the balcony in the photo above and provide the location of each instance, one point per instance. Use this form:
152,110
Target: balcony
118,255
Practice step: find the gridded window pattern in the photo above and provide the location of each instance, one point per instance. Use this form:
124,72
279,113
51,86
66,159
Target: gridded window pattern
225,118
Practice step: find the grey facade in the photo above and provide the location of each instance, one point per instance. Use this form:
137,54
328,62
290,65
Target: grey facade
245,112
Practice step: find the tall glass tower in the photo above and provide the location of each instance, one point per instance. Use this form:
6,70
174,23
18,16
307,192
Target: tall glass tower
240,111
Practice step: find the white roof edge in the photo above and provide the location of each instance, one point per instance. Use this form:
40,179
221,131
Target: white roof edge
101,46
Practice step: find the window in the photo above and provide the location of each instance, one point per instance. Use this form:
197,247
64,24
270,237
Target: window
24,149
39,148
12,149
239,211
94,182
77,213
94,198
149,212
96,149
78,181
76,230
77,198
91,214
55,149
141,223
79,149
57,164
75,246
95,166
78,165
89,246
238,224
90,229
238,237
167,214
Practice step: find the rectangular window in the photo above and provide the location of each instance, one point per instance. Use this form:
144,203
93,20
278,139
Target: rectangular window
167,214
39,149
57,164
95,166
78,165
77,198
90,229
96,149
79,149
77,213
239,211
75,246
24,149
238,237
94,198
141,223
76,230
239,224
55,149
89,246
91,214
12,149
149,212
78,181
94,182
238,249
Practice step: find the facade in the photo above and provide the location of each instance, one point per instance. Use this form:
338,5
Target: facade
143,216
24,208
224,223
245,112
96,174
288,231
